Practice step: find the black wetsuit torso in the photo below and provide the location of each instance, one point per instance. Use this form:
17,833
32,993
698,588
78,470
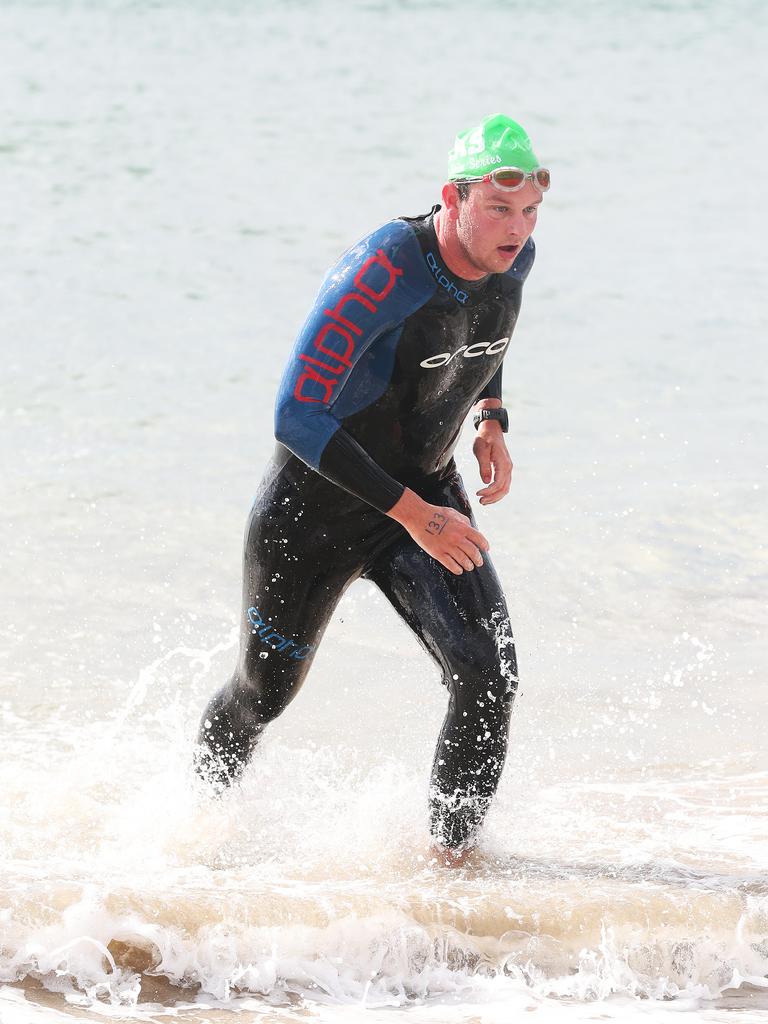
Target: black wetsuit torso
390,360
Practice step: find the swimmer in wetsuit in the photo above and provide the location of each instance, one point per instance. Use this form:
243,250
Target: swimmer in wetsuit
405,338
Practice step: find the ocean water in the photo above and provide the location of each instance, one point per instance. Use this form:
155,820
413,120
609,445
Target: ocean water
175,177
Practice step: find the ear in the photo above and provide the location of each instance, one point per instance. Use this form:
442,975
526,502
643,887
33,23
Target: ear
450,196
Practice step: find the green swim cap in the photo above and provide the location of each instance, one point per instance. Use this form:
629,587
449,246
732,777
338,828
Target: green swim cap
497,141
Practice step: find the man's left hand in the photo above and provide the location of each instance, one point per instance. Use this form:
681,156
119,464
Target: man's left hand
495,464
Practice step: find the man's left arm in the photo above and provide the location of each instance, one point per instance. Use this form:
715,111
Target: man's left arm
490,450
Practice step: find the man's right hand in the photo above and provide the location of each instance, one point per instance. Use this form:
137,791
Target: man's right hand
445,534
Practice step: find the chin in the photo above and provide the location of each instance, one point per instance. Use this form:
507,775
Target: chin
509,260
503,264
493,264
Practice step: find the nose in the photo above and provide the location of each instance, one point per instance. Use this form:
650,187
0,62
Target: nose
516,225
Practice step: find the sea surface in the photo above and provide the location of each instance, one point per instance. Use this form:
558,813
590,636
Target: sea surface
175,177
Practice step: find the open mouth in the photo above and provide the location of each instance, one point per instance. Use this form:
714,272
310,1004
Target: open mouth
509,250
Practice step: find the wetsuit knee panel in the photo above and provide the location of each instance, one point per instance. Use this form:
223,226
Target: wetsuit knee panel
481,666
266,691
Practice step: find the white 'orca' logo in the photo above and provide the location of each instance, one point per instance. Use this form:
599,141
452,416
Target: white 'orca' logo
480,348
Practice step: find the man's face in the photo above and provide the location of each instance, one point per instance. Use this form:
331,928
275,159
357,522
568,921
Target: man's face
492,226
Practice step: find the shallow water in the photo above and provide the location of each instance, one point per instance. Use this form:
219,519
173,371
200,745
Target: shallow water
160,246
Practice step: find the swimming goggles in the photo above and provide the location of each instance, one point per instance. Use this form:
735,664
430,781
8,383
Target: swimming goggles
512,179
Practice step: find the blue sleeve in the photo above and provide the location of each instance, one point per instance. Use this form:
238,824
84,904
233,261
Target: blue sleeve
363,301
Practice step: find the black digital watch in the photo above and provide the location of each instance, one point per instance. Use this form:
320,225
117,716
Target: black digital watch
493,414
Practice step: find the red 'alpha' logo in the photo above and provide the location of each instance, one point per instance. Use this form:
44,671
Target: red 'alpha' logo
337,361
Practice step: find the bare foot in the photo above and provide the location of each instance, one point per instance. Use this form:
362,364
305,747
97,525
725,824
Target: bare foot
448,858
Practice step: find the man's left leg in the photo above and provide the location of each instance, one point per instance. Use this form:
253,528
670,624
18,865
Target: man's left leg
462,621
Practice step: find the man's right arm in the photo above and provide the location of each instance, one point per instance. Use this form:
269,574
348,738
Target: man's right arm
363,302
359,310
443,533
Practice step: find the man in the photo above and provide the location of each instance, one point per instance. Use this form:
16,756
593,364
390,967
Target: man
406,336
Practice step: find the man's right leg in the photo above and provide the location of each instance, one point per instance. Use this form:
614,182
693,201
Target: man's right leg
291,586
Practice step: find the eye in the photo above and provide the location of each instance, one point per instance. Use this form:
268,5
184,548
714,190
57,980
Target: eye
531,209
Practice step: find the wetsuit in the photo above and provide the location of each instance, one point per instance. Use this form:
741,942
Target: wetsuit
390,360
